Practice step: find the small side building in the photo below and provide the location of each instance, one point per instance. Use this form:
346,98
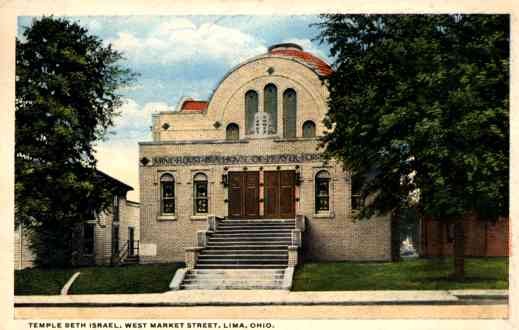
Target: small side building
108,238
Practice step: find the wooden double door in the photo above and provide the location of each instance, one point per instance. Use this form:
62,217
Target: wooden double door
279,194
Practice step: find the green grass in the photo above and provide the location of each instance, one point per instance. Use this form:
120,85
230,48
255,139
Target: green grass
36,281
100,279
413,274
125,279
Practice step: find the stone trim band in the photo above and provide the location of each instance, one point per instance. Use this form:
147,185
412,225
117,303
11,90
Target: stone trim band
235,159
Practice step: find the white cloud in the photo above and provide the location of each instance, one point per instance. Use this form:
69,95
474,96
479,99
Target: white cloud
120,159
118,156
180,40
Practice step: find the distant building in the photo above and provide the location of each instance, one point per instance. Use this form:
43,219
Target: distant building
111,237
482,238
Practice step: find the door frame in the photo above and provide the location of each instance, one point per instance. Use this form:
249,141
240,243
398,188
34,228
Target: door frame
244,206
279,193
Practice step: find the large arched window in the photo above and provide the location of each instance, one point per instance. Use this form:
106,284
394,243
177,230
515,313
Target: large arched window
167,194
251,108
309,129
270,106
232,132
289,113
200,194
322,191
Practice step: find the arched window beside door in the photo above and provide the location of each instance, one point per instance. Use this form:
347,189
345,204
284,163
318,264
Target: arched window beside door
289,113
322,192
200,194
167,194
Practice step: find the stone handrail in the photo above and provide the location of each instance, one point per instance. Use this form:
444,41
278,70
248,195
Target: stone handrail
192,254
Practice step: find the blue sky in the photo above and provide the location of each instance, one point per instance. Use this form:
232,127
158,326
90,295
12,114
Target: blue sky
179,56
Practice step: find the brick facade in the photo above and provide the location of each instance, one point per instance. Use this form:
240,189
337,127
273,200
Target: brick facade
490,239
187,143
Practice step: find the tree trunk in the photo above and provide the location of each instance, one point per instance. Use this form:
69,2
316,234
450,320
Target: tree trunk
395,236
459,250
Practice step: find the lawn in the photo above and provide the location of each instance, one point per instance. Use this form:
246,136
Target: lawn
36,281
125,279
411,274
100,279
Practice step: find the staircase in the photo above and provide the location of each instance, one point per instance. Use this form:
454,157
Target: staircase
243,254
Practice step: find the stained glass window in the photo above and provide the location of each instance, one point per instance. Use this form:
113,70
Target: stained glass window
308,129
232,132
201,202
251,108
322,191
289,113
167,184
270,106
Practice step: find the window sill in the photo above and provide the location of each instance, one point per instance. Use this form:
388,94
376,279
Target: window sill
165,217
199,217
324,215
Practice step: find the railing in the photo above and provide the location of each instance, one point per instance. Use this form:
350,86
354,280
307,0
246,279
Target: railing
129,249
133,249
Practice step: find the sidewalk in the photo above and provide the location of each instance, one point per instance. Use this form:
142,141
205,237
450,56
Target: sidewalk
269,297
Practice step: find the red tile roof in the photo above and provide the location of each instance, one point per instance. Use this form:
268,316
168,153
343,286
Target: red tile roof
194,106
322,68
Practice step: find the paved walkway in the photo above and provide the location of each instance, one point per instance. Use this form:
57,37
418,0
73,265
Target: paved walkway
267,297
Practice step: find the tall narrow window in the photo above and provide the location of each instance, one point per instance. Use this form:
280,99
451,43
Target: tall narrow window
115,209
88,238
200,194
115,238
289,113
308,129
356,197
251,108
167,190
270,106
232,132
322,192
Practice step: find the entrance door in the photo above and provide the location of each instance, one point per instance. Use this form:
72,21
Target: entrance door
279,194
244,194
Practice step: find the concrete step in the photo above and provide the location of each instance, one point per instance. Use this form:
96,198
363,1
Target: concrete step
229,287
241,266
236,272
209,276
243,256
250,238
255,223
244,251
246,246
251,234
254,230
276,221
233,261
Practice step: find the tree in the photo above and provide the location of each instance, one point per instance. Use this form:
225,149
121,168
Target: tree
66,99
419,105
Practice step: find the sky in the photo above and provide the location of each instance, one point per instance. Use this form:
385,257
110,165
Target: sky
176,57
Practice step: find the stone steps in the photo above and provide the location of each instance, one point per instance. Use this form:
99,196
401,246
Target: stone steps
243,254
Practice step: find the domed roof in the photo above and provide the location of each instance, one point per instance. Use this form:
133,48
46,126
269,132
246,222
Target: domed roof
295,51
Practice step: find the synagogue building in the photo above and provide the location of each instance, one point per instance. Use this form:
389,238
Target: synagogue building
249,157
